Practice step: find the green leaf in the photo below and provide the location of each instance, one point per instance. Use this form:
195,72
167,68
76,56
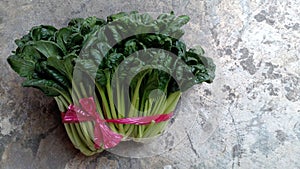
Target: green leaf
116,16
48,87
23,41
207,62
89,23
48,48
65,66
62,38
47,72
170,25
23,67
42,32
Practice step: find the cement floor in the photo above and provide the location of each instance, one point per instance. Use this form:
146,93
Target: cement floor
253,106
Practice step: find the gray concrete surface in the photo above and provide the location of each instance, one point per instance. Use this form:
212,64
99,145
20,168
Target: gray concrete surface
255,96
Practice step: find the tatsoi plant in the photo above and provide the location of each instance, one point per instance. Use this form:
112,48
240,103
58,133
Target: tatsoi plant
130,64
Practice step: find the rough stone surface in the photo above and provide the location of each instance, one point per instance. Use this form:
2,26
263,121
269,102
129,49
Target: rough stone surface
256,93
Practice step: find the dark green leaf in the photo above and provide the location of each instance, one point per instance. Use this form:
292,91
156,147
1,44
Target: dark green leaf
49,87
55,75
48,48
65,66
62,38
42,32
23,67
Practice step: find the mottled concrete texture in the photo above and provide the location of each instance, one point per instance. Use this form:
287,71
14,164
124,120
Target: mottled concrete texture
255,96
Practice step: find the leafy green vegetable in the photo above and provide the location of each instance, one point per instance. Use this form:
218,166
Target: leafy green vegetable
138,65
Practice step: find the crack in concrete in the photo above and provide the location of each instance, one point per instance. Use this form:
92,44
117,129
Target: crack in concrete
239,142
192,145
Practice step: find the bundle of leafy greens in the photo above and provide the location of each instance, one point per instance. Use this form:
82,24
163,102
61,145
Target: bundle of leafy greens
133,65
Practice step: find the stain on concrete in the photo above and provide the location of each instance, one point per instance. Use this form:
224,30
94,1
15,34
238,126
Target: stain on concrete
231,96
270,21
260,16
247,61
272,90
291,87
271,71
228,51
268,16
294,26
244,52
207,92
280,135
248,65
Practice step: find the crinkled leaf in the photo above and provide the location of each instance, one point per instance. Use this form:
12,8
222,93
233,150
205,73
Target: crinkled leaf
23,41
42,32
